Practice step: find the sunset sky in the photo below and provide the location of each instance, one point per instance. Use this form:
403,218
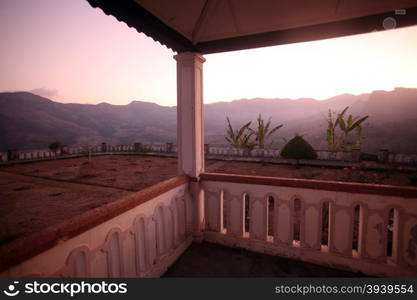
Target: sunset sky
70,52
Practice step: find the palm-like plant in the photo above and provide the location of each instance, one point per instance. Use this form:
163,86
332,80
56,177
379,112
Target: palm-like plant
239,138
349,125
332,124
263,132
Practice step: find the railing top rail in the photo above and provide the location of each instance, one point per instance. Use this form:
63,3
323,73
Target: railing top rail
349,187
22,249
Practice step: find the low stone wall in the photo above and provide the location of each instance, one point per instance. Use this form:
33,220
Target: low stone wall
402,158
325,157
36,154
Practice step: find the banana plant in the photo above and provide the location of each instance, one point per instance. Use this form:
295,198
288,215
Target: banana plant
349,125
331,135
239,138
263,132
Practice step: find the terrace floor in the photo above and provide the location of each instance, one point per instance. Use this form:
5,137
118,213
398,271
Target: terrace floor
211,260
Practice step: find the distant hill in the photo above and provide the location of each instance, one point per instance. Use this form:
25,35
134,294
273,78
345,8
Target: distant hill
30,121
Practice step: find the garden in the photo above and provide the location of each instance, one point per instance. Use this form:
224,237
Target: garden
343,133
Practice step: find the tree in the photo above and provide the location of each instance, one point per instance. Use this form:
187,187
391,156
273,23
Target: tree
263,132
54,146
239,138
298,148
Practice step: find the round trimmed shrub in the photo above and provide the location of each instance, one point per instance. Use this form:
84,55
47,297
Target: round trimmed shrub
298,148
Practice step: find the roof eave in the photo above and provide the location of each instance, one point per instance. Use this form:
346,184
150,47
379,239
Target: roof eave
323,31
134,15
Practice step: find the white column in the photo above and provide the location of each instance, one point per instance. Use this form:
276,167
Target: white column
190,131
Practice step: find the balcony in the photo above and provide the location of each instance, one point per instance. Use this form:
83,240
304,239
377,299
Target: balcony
302,224
371,229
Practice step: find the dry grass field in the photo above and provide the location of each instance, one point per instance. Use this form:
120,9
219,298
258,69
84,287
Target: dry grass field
34,196
37,195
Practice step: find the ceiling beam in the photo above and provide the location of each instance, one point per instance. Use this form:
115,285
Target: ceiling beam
208,9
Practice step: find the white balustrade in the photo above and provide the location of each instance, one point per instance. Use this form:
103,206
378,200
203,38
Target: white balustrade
360,235
140,242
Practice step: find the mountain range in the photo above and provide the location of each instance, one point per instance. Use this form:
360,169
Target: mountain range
29,121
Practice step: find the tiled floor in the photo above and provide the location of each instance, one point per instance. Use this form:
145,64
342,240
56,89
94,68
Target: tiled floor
211,260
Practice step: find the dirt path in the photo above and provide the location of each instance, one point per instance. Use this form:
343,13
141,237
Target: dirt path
51,180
